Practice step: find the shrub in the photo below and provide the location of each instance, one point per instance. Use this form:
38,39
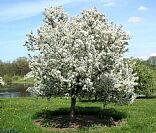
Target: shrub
7,79
146,81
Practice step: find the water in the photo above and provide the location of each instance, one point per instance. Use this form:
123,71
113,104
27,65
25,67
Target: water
14,90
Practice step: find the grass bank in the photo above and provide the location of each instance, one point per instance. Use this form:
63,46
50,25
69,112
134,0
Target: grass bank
17,80
17,113
22,80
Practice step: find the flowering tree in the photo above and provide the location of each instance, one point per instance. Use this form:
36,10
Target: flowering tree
80,55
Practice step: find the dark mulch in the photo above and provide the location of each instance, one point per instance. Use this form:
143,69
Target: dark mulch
85,118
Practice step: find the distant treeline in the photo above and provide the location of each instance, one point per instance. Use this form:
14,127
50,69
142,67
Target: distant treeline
152,60
18,67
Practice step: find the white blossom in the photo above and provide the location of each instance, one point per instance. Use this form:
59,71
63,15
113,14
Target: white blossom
1,81
82,54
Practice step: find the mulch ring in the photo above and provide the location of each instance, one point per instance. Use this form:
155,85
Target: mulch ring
62,122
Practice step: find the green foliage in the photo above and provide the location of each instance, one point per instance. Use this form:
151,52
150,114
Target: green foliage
18,67
15,78
22,66
146,81
7,79
17,113
15,71
152,60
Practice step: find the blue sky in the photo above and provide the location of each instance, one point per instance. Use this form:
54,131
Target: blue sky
18,17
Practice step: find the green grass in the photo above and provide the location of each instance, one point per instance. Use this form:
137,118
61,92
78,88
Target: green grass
22,80
17,80
17,114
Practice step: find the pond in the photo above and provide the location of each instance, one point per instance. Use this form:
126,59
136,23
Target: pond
14,90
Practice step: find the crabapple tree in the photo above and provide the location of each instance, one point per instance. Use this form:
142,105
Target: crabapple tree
80,55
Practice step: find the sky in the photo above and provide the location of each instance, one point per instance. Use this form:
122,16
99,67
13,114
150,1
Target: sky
19,17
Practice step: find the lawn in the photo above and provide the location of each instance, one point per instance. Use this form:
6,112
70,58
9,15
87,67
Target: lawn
22,80
17,113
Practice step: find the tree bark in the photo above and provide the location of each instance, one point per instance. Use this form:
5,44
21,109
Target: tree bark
95,97
74,93
73,109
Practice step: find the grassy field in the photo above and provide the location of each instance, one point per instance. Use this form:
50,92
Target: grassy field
17,80
17,113
22,80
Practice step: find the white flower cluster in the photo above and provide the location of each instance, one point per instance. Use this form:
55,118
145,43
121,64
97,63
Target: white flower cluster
80,55
1,81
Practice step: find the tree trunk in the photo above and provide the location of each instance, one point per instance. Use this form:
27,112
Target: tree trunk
73,109
74,93
95,97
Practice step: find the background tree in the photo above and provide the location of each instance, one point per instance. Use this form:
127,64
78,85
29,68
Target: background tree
152,60
22,66
147,79
1,69
80,54
18,67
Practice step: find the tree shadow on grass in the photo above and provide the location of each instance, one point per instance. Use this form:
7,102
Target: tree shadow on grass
85,117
